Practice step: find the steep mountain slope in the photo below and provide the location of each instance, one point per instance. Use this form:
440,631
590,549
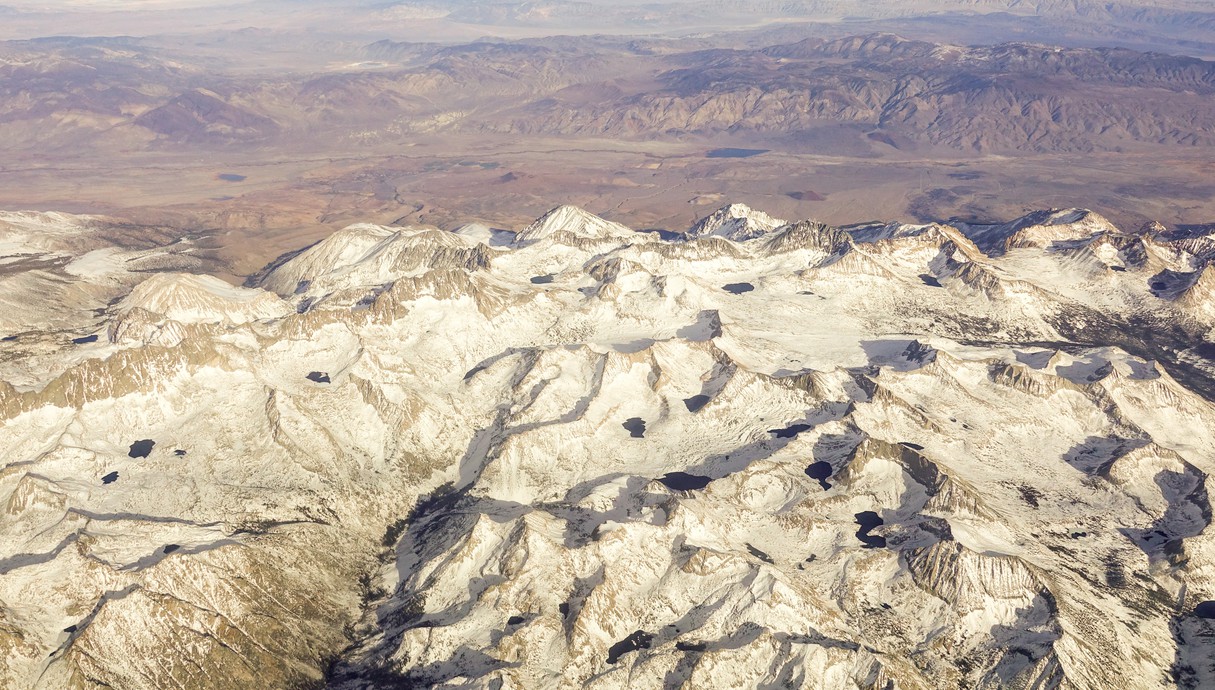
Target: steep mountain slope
772,455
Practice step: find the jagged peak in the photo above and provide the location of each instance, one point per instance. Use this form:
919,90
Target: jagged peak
443,284
1037,229
1152,228
704,248
736,222
808,234
1059,225
895,234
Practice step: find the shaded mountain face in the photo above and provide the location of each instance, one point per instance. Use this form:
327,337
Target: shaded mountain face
200,116
775,455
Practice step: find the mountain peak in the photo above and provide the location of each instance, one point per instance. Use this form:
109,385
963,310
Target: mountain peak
574,220
737,222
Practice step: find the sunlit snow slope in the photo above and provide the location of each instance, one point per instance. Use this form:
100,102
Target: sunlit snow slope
882,457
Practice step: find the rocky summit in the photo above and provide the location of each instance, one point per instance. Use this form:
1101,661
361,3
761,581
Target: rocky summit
753,454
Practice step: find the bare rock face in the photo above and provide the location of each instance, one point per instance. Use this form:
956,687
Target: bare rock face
763,455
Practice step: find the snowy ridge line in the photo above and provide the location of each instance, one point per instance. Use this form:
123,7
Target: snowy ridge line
762,454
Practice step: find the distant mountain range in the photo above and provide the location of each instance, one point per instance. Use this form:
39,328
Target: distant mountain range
859,96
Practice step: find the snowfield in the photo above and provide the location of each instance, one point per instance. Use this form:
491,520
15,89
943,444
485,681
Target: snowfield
765,455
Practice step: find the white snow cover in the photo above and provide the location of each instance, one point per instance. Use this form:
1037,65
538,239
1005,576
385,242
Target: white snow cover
202,299
737,222
902,457
573,220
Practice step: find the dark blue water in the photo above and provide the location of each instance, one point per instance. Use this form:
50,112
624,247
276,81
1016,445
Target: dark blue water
110,478
682,481
1205,610
179,452
868,520
735,153
85,339
696,402
170,548
821,471
737,288
542,280
789,431
141,449
318,377
514,620
638,640
636,427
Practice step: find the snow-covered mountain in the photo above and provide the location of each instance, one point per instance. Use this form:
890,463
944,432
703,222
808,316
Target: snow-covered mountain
737,222
770,455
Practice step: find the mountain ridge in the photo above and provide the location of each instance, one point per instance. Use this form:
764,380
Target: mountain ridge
595,457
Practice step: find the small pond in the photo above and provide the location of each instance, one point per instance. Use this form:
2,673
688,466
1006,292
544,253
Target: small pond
790,431
638,640
141,449
635,426
682,481
820,471
735,153
868,520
